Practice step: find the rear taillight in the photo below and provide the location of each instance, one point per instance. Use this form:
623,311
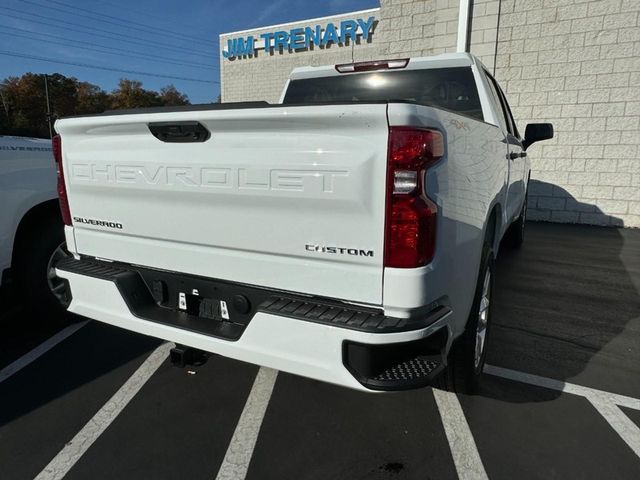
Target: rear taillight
56,144
410,225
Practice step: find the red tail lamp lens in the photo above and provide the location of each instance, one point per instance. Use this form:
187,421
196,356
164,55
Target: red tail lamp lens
56,144
410,230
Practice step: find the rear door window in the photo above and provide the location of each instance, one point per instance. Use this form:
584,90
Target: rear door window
507,108
501,100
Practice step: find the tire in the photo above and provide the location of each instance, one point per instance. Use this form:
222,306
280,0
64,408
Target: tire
468,352
515,234
37,249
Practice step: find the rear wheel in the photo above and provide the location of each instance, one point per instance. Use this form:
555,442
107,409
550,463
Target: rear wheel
469,351
58,287
38,250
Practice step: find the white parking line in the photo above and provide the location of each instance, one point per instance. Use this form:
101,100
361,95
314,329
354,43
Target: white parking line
606,403
40,350
461,443
622,400
628,431
236,460
73,451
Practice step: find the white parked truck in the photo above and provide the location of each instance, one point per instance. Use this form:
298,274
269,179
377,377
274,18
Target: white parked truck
31,230
346,234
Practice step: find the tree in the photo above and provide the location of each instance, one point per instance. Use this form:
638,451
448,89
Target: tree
63,94
4,113
26,104
4,123
170,96
130,94
23,105
91,99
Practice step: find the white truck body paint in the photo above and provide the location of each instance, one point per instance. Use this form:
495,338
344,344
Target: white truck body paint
243,206
27,179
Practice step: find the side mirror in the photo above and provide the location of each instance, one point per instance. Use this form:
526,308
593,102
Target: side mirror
536,132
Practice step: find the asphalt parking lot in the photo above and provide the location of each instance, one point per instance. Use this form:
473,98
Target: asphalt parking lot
561,400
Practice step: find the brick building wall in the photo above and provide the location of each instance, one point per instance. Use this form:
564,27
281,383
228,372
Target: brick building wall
571,62
484,33
577,65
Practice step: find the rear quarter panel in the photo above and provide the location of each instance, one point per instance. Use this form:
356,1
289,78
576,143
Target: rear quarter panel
465,185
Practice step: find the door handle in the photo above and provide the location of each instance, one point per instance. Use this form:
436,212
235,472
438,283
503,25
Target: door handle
179,132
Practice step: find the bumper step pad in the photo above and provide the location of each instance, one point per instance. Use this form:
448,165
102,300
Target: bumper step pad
346,316
397,366
414,369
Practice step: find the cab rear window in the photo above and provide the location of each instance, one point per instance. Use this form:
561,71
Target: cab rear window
453,89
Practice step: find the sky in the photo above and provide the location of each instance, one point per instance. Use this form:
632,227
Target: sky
151,37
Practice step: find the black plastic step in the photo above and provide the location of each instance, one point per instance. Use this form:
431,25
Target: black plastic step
103,270
151,294
397,366
346,316
413,369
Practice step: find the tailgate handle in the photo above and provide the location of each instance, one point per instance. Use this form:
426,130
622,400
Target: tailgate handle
179,132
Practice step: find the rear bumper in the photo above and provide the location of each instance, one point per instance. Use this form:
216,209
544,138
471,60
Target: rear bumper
362,360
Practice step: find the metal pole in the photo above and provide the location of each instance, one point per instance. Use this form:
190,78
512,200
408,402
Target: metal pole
4,104
464,22
46,92
495,49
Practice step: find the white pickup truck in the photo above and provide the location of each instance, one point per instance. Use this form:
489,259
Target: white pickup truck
346,234
31,231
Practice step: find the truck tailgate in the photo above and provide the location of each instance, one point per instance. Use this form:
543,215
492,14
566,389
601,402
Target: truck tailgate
289,198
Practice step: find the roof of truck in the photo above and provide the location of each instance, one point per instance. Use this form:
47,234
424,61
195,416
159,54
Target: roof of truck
443,60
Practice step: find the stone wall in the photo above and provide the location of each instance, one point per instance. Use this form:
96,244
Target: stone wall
577,65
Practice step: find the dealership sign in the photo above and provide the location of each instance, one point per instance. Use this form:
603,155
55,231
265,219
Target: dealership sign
300,38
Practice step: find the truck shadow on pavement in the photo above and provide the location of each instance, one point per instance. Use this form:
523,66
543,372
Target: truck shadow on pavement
95,357
567,307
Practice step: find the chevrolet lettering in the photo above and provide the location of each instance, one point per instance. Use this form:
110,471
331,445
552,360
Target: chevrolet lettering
209,177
